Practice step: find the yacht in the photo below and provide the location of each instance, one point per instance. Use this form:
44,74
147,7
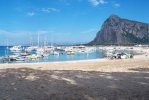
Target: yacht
31,48
16,48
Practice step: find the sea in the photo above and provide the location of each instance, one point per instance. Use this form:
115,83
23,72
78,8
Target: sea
4,51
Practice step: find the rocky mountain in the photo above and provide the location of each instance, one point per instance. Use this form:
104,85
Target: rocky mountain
116,30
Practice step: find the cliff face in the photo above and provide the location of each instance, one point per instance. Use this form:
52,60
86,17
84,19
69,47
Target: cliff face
116,30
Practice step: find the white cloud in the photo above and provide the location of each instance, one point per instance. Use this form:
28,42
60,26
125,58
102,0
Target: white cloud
48,10
97,2
117,5
30,13
44,10
102,1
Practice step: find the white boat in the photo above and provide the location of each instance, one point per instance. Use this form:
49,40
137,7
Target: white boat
49,48
16,48
40,51
45,55
68,49
79,49
20,59
55,53
70,52
33,56
31,48
13,56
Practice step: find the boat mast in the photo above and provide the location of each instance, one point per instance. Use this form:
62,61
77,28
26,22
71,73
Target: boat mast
38,39
31,41
45,41
7,47
6,50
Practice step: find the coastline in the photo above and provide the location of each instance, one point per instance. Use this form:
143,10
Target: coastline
96,79
101,65
142,54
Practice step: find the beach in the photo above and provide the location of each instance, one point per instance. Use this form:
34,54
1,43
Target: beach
100,79
74,50
94,79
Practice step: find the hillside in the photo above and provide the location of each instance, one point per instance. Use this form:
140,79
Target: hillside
116,30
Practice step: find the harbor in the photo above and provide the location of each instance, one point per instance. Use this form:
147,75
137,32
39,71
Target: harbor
32,54
74,50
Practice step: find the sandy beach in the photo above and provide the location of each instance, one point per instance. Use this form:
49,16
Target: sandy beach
99,79
74,50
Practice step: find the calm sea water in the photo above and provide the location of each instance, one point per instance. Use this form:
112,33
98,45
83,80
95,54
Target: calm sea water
54,58
4,51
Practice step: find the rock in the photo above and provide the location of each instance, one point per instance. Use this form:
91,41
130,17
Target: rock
116,30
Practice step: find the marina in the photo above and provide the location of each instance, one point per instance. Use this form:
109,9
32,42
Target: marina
32,54
74,50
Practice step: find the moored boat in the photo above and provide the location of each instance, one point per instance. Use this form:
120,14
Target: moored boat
16,48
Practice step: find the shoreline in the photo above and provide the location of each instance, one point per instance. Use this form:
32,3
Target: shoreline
68,61
81,79
139,53
141,57
98,65
136,57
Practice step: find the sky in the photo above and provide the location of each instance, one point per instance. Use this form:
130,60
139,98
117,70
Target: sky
62,21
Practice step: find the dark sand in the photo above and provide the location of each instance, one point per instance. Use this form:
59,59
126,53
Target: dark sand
93,80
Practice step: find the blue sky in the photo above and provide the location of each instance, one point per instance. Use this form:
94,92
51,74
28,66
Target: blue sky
62,21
